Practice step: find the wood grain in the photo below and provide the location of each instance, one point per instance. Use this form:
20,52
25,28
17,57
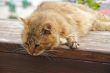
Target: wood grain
18,63
93,56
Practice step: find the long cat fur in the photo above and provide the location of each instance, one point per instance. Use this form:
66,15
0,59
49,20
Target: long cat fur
53,22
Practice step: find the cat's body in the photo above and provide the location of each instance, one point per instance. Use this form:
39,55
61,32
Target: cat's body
53,22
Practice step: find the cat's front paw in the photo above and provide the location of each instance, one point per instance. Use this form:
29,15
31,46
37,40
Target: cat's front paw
73,45
72,42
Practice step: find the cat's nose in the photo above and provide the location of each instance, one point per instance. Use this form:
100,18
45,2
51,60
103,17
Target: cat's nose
31,51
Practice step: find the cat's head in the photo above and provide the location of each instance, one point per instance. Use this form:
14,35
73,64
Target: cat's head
39,35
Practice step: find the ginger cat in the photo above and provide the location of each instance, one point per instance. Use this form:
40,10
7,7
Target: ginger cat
55,23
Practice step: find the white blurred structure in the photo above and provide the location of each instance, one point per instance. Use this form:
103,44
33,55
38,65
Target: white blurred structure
37,2
103,1
20,11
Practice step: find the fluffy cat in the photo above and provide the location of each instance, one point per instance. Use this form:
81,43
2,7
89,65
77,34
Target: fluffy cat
55,23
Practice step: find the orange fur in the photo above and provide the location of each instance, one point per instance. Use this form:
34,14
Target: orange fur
52,22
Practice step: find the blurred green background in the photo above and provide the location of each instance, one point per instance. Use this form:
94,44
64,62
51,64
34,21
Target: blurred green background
10,9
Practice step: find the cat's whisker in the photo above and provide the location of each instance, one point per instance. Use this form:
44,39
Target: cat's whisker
55,51
49,57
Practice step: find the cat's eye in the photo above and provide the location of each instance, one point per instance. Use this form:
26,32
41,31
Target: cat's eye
37,45
26,45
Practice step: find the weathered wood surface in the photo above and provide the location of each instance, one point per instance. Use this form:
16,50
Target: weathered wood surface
10,32
93,56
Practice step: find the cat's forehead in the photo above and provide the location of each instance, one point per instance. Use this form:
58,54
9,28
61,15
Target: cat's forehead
37,17
34,23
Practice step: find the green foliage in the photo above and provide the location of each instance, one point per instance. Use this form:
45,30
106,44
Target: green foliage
12,6
81,1
91,3
25,3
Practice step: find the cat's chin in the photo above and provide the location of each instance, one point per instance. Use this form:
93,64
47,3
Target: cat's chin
38,53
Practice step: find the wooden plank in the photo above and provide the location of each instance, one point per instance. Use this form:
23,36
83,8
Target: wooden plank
97,41
61,51
10,32
18,63
93,56
88,49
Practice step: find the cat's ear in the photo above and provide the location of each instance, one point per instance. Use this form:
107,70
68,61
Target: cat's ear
22,20
47,29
